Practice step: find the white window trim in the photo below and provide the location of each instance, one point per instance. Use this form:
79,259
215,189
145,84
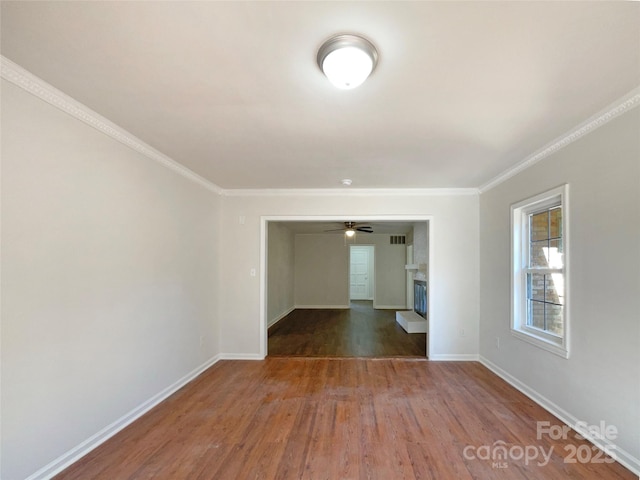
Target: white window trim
519,254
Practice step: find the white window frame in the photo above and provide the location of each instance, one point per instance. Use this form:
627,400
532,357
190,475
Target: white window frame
519,268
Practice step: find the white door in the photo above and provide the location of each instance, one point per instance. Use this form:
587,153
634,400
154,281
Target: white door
361,274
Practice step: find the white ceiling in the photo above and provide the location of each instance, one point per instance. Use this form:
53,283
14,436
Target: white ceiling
231,90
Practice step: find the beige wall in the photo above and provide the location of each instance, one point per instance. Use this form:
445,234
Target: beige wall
109,281
280,272
601,379
390,274
322,271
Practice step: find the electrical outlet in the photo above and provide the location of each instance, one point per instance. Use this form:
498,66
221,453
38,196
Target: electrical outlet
201,340
462,333
498,343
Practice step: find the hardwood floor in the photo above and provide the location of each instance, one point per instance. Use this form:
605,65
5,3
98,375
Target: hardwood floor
358,332
311,418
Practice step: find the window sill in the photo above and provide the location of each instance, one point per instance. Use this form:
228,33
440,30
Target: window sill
542,343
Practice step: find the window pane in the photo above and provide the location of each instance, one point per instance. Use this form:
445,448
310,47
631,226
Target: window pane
538,252
545,300
554,288
539,224
554,254
535,286
536,315
538,276
555,223
553,315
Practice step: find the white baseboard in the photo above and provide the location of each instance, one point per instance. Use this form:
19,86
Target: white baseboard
273,321
622,456
240,356
73,455
390,307
328,307
454,357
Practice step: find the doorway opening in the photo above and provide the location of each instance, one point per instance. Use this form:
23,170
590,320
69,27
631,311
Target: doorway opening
315,281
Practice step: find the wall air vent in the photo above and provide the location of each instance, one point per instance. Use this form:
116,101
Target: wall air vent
397,239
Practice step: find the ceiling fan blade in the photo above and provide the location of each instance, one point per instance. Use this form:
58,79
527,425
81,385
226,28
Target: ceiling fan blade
335,230
365,229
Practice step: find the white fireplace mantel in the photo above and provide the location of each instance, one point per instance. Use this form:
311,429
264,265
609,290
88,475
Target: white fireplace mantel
416,266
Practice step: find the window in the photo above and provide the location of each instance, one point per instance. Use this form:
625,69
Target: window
539,271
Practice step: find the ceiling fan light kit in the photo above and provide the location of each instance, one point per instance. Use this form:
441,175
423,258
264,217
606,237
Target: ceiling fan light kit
347,60
351,228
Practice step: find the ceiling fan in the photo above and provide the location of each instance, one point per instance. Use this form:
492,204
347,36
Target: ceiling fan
350,228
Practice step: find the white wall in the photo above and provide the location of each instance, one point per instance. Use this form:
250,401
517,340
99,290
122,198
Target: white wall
454,291
109,281
601,379
280,271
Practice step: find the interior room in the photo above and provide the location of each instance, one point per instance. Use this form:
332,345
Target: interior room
320,269
168,171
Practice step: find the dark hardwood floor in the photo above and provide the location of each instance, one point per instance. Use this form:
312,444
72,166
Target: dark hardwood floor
358,332
338,419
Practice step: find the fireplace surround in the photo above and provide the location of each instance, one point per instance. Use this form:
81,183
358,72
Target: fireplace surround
420,297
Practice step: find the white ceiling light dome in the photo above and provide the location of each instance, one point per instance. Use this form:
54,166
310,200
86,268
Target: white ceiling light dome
347,60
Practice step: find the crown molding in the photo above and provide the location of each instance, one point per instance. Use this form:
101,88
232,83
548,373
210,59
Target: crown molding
24,79
617,108
349,192
20,77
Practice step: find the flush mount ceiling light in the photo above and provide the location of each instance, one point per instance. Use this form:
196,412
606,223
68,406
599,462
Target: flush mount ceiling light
347,60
